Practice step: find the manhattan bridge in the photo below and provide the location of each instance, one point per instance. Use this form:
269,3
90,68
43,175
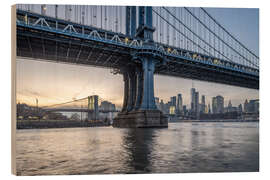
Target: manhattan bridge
137,42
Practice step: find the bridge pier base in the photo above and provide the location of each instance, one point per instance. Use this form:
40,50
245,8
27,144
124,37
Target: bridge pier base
139,108
141,119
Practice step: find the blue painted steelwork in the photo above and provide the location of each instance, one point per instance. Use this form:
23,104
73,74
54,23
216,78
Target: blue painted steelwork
145,31
128,20
134,54
107,41
148,98
133,21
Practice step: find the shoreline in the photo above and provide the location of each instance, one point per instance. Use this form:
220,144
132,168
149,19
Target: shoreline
220,120
77,124
57,124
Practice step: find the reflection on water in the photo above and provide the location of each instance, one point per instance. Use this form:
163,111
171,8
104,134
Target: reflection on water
183,147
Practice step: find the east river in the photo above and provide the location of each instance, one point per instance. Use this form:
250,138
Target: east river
180,148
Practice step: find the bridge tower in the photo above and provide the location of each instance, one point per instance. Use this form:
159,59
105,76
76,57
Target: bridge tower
93,111
139,108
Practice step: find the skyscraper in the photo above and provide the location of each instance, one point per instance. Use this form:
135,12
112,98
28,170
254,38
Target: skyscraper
184,110
195,110
179,105
192,95
253,106
173,105
240,109
230,106
246,106
214,105
256,106
173,101
217,104
203,106
162,106
197,104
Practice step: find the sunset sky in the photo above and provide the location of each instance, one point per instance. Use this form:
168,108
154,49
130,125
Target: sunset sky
55,83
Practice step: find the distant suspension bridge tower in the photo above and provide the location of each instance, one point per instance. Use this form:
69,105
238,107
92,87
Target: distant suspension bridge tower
93,113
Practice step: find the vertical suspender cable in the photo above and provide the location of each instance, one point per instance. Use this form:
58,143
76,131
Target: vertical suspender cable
101,18
105,14
167,30
160,31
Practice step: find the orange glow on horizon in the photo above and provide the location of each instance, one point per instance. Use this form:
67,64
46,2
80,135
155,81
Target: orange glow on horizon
54,83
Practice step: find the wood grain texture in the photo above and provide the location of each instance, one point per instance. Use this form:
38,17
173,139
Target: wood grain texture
13,89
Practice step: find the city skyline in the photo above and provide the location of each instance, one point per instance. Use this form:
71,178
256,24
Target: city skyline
217,105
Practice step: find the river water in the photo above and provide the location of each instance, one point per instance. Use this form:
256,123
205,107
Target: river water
183,147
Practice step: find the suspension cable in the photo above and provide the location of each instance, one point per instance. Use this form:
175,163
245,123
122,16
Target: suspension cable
189,31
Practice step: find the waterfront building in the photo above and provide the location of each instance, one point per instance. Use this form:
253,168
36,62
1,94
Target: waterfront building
179,104
203,106
107,106
230,106
197,105
192,95
240,109
217,104
172,110
220,104
214,105
256,106
184,110
173,101
157,102
246,106
253,106
162,107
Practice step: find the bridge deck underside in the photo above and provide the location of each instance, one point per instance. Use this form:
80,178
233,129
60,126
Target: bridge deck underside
66,49
208,73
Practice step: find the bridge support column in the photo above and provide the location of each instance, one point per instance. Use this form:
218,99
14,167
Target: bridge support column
148,99
141,110
132,90
126,87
